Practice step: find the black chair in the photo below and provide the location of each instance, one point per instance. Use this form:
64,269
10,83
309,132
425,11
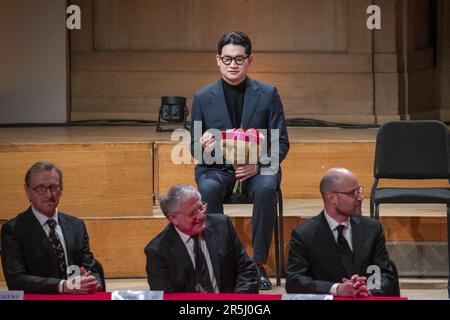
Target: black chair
277,229
99,269
411,150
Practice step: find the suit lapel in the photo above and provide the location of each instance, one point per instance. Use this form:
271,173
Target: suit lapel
328,239
219,105
251,98
357,241
182,259
213,249
36,230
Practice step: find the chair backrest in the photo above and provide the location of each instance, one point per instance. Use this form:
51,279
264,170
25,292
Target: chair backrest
412,150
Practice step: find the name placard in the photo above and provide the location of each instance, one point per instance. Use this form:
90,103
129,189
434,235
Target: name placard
137,295
11,295
302,296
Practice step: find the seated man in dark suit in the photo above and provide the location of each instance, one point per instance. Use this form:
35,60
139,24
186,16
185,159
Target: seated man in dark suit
335,251
41,247
238,101
197,252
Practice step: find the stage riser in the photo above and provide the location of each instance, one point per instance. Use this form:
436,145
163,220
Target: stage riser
119,179
104,179
419,259
119,242
302,169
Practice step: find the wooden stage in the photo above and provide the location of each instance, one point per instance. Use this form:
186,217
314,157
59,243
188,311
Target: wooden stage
113,174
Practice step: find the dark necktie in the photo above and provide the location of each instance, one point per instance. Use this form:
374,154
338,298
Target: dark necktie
345,253
203,281
57,249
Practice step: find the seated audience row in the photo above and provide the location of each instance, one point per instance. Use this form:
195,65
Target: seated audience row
46,251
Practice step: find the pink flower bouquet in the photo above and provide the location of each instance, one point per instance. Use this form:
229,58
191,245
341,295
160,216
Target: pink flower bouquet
241,147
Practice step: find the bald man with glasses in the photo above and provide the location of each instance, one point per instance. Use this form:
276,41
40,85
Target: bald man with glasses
339,251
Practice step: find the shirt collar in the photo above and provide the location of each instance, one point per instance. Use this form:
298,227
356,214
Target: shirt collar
185,237
333,223
43,218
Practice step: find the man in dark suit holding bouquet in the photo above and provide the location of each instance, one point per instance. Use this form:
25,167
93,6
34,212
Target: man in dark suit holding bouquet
237,101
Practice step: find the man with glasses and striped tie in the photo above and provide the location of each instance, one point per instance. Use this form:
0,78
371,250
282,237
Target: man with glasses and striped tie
197,252
39,245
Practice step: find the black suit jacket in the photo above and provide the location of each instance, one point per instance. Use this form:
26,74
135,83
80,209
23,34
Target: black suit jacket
169,267
28,261
314,264
262,110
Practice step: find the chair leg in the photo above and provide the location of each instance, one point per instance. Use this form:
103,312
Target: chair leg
448,247
281,228
372,208
377,211
277,246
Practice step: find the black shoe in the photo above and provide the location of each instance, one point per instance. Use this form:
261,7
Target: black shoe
263,280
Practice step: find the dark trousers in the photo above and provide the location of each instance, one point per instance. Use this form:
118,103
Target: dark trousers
216,184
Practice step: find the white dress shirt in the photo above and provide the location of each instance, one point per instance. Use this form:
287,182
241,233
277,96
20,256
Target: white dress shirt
43,221
189,244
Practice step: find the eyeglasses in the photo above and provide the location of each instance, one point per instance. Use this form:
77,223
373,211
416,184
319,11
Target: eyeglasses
196,212
42,190
227,60
355,192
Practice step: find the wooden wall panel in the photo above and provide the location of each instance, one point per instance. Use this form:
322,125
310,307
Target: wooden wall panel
143,25
118,92
110,179
197,25
119,243
359,37
83,39
185,61
167,173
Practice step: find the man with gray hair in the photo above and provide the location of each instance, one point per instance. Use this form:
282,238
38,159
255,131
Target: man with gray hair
197,252
40,246
335,251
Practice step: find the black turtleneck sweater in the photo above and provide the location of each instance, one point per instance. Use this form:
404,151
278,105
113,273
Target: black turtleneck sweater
234,97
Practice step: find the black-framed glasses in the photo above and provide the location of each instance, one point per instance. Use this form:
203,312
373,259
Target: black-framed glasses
41,190
355,192
196,212
227,60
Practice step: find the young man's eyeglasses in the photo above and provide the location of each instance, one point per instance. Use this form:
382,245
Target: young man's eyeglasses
227,60
196,212
354,193
42,190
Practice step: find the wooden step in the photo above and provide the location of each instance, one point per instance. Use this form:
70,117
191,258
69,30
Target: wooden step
100,179
302,169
